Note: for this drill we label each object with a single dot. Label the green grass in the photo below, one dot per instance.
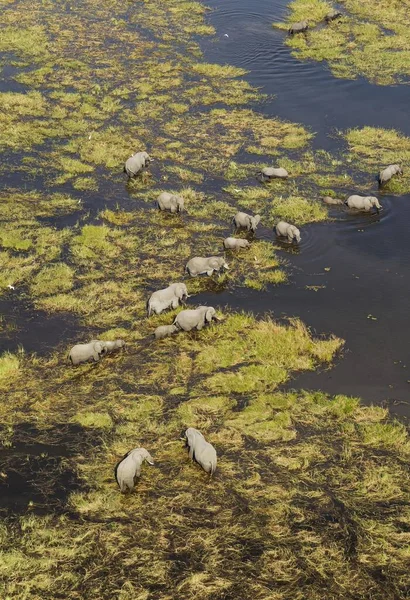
(53, 279)
(9, 368)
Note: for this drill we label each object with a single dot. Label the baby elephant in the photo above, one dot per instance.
(231, 243)
(201, 450)
(198, 265)
(172, 202)
(246, 221)
(137, 163)
(298, 27)
(284, 229)
(164, 331)
(87, 352)
(111, 346)
(269, 173)
(364, 203)
(195, 319)
(129, 469)
(332, 201)
(169, 297)
(389, 172)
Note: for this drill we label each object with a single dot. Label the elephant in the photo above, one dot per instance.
(111, 346)
(172, 202)
(332, 15)
(298, 27)
(129, 469)
(86, 352)
(166, 298)
(164, 331)
(201, 450)
(364, 203)
(195, 319)
(388, 172)
(246, 221)
(137, 163)
(284, 229)
(199, 265)
(332, 201)
(268, 173)
(231, 243)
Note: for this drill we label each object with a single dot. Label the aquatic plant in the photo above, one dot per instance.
(370, 40)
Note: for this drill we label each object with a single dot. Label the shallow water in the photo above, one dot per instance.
(358, 262)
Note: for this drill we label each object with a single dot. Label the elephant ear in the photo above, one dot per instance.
(257, 219)
(209, 314)
(100, 347)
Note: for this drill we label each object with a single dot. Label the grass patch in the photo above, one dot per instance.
(53, 279)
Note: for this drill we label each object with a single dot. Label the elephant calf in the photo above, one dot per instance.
(364, 203)
(198, 265)
(197, 318)
(169, 297)
(284, 229)
(111, 346)
(332, 201)
(243, 220)
(268, 173)
(231, 243)
(201, 450)
(137, 163)
(87, 352)
(129, 469)
(389, 172)
(298, 27)
(172, 202)
(164, 331)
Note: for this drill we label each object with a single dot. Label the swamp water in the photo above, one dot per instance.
(310, 499)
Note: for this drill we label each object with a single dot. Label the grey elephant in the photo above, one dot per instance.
(389, 172)
(364, 203)
(332, 201)
(164, 331)
(243, 220)
(201, 450)
(332, 15)
(137, 163)
(199, 265)
(268, 173)
(196, 318)
(111, 346)
(129, 469)
(299, 27)
(169, 297)
(284, 229)
(172, 202)
(86, 352)
(231, 243)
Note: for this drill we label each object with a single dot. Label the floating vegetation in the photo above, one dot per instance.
(371, 39)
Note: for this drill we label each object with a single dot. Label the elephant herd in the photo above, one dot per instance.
(129, 469)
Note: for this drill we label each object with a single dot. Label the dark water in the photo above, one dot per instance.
(361, 263)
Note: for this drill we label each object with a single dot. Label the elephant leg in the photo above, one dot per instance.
(96, 357)
(175, 303)
(191, 453)
(200, 326)
(209, 273)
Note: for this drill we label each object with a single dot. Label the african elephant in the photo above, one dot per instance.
(87, 352)
(298, 27)
(164, 331)
(111, 346)
(129, 469)
(246, 221)
(137, 163)
(268, 173)
(231, 243)
(364, 203)
(199, 265)
(169, 297)
(201, 450)
(332, 15)
(195, 318)
(332, 201)
(284, 229)
(172, 202)
(389, 172)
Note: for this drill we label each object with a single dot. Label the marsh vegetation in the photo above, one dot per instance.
(310, 499)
